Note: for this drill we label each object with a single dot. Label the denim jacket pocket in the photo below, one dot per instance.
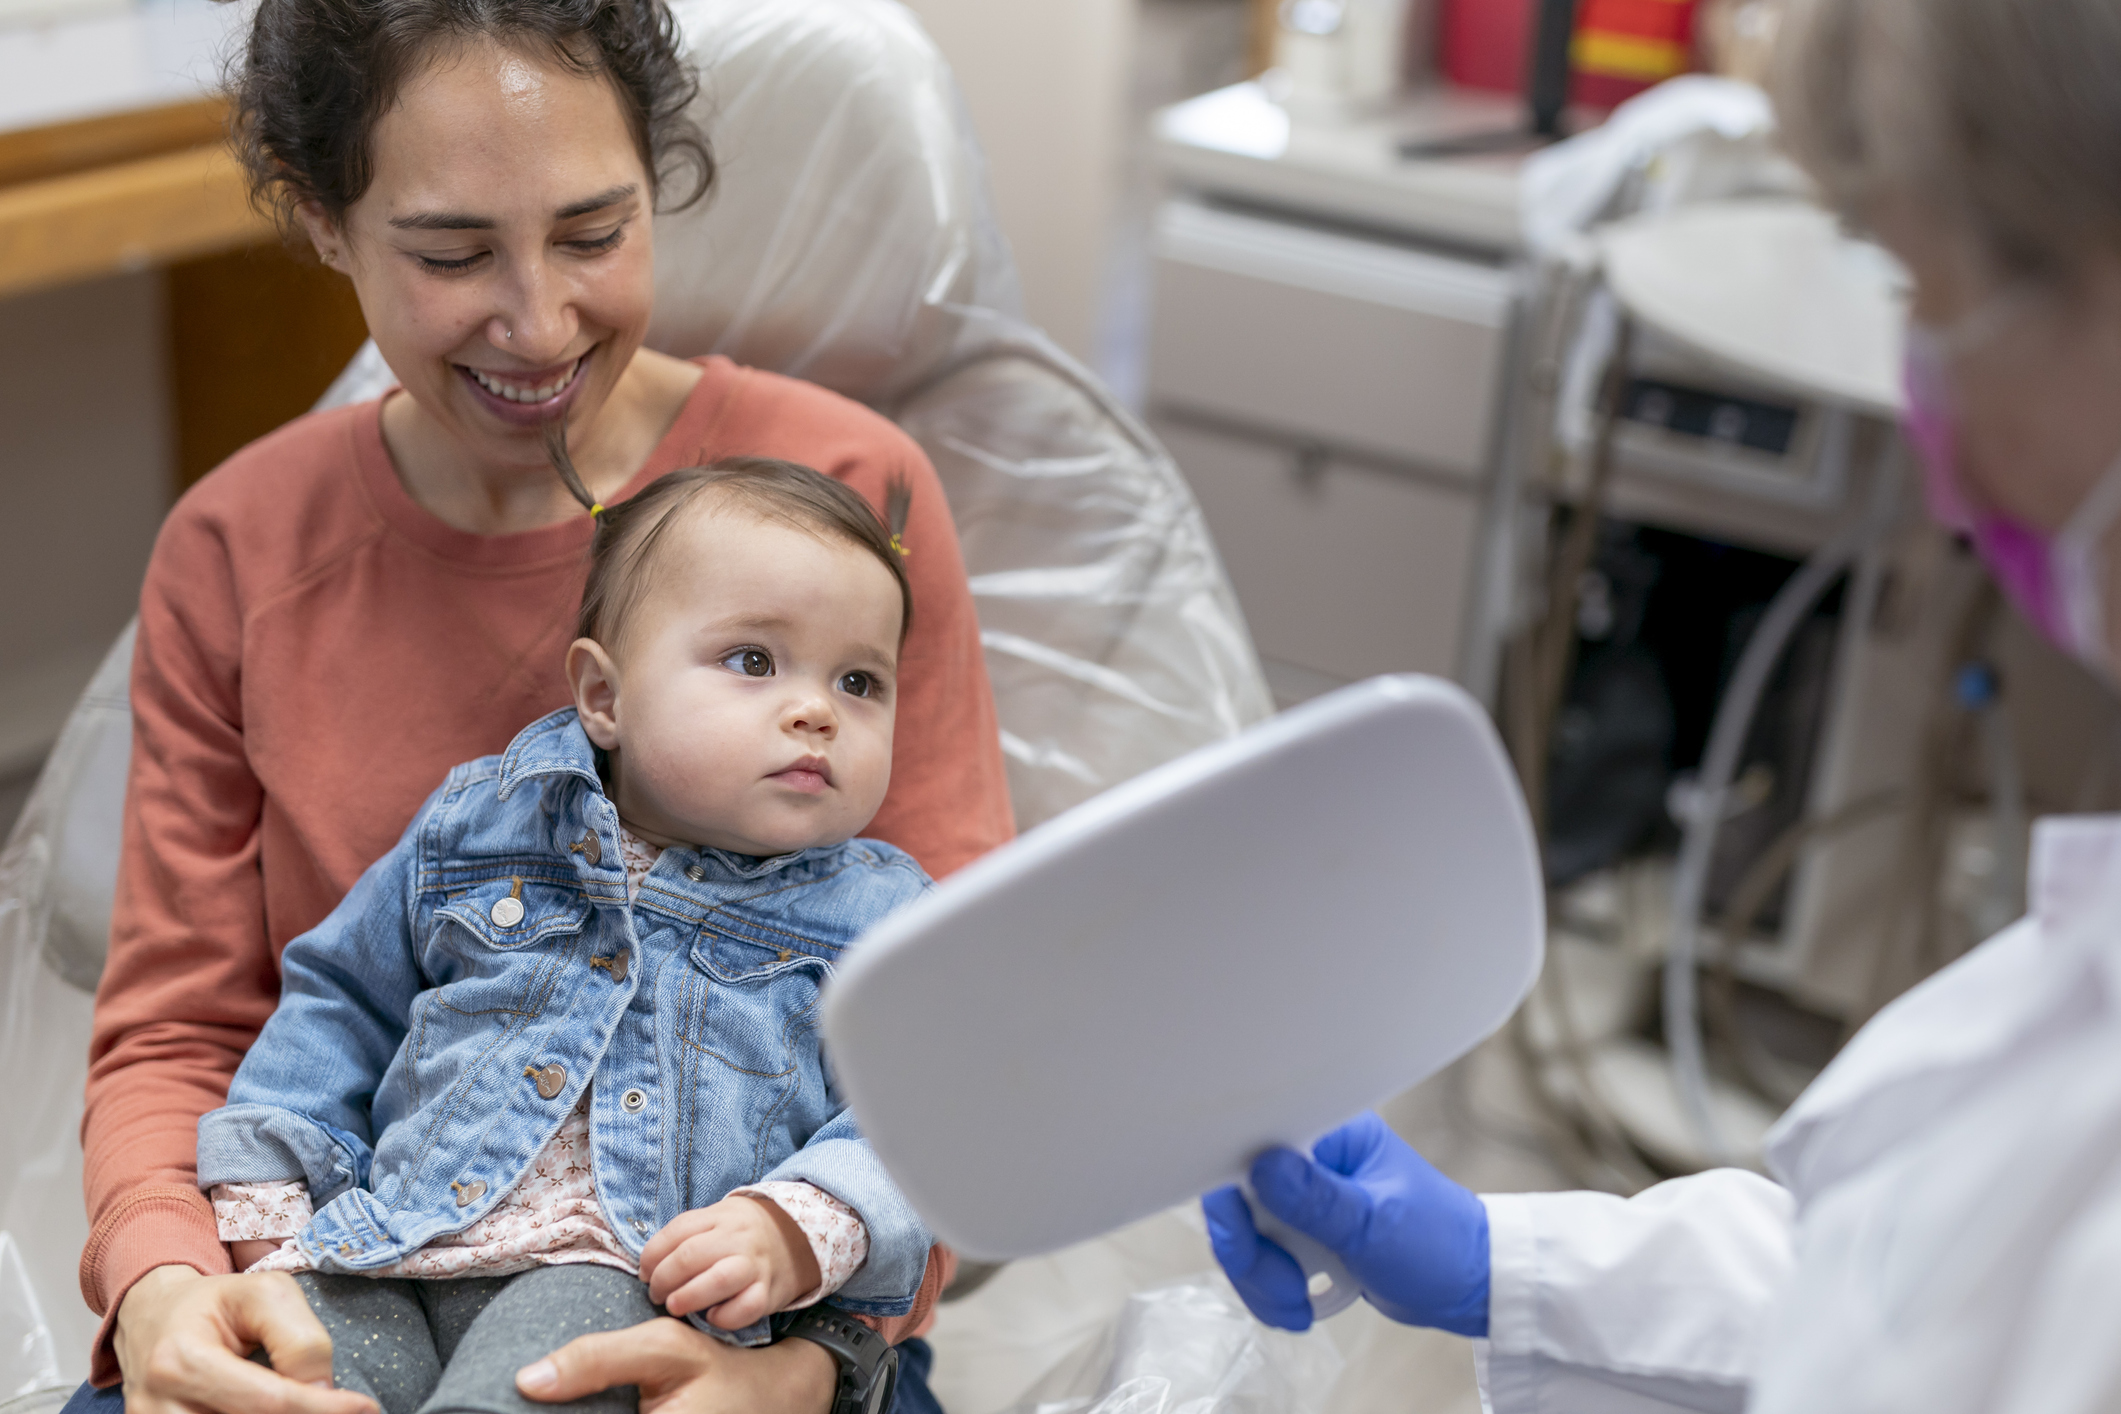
(514, 912)
(754, 1004)
(754, 1084)
(488, 947)
(737, 950)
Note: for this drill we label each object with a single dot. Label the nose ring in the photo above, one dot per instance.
(510, 334)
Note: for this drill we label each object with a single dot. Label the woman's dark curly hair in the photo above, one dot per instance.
(318, 74)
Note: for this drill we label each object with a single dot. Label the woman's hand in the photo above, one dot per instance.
(683, 1371)
(183, 1342)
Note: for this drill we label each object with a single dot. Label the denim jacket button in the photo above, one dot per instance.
(633, 1101)
(551, 1080)
(695, 873)
(589, 847)
(507, 912)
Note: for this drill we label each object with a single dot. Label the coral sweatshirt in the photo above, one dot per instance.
(315, 652)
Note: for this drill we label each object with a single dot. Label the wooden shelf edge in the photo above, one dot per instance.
(61, 149)
(130, 216)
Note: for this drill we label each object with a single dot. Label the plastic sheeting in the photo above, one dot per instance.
(1692, 138)
(56, 875)
(1190, 1348)
(850, 241)
(29, 1359)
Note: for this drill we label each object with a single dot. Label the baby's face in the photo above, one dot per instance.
(752, 692)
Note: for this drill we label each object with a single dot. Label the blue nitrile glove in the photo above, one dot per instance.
(1416, 1241)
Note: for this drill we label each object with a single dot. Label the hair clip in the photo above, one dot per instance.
(899, 546)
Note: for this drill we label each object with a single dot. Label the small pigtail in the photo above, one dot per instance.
(556, 451)
(898, 503)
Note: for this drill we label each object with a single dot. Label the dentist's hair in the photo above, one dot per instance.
(631, 537)
(2000, 119)
(308, 89)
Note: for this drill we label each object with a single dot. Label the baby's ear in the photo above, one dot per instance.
(595, 681)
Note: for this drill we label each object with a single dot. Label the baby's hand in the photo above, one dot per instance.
(740, 1261)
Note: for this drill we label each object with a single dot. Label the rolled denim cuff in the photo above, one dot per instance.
(848, 1169)
(265, 1143)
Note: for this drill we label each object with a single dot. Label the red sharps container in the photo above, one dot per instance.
(1620, 48)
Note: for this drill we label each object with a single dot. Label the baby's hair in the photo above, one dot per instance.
(623, 550)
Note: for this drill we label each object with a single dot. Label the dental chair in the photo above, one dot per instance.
(851, 241)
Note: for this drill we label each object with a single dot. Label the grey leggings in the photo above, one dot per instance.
(454, 1346)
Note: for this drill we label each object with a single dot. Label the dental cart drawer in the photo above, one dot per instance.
(1343, 570)
(1328, 337)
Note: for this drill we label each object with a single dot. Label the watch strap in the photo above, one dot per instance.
(868, 1364)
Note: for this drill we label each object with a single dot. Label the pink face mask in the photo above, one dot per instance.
(2057, 581)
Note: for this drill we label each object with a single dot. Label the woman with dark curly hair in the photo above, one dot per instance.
(358, 601)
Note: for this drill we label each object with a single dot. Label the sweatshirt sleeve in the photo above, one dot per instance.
(190, 976)
(1636, 1305)
(300, 1105)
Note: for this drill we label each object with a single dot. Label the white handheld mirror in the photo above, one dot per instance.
(1242, 948)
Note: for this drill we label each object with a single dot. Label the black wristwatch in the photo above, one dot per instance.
(868, 1363)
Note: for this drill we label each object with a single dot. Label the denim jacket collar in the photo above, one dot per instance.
(556, 745)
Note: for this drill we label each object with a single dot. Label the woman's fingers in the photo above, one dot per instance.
(270, 1310)
(183, 1340)
(659, 1356)
(221, 1382)
(683, 1371)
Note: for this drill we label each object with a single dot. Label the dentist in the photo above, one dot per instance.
(1944, 1228)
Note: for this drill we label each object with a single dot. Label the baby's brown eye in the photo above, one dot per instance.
(751, 662)
(857, 684)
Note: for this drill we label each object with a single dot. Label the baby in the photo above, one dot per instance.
(553, 1062)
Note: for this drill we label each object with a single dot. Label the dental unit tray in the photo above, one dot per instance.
(1244, 947)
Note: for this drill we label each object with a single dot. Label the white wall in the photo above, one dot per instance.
(1047, 81)
(85, 457)
(84, 460)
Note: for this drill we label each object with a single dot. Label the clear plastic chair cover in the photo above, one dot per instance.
(56, 876)
(850, 240)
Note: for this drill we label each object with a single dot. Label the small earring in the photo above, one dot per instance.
(509, 335)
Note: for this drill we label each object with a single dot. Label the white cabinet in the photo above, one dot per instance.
(1326, 336)
(1333, 398)
(1344, 570)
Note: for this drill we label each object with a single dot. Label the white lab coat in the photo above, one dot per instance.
(1946, 1235)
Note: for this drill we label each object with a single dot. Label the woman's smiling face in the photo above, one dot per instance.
(502, 250)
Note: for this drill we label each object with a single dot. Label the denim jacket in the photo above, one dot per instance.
(435, 1030)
